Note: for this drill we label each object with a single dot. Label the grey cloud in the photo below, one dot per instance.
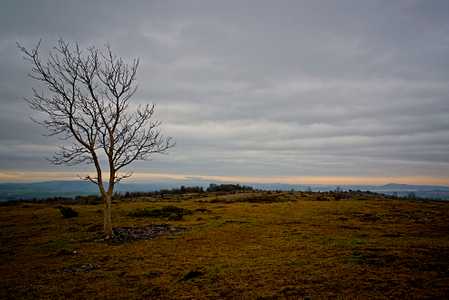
(256, 88)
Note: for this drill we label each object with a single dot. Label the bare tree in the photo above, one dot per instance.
(87, 104)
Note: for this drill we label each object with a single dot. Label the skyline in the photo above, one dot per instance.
(289, 92)
(36, 176)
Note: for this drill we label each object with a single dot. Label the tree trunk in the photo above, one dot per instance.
(107, 216)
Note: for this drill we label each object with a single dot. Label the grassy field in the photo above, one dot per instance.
(253, 245)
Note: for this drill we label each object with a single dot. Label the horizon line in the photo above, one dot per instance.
(10, 176)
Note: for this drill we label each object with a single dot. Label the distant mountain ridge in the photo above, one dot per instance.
(39, 190)
(396, 186)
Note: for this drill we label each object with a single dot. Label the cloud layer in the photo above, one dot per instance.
(257, 88)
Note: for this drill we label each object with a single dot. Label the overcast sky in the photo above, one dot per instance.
(295, 91)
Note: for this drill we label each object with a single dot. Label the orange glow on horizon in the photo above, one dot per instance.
(30, 176)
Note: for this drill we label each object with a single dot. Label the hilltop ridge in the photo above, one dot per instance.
(45, 189)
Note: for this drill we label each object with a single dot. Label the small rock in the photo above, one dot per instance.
(81, 268)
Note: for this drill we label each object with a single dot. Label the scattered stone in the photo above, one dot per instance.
(81, 268)
(125, 234)
(175, 217)
(170, 212)
(236, 222)
(202, 210)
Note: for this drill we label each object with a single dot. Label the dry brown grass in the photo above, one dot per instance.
(291, 246)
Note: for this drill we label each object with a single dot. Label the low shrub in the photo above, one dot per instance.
(191, 275)
(68, 212)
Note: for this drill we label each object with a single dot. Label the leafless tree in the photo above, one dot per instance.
(87, 104)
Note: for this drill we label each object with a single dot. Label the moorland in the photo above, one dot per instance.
(234, 244)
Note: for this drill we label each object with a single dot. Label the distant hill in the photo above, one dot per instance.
(409, 187)
(13, 191)
(418, 191)
(39, 190)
